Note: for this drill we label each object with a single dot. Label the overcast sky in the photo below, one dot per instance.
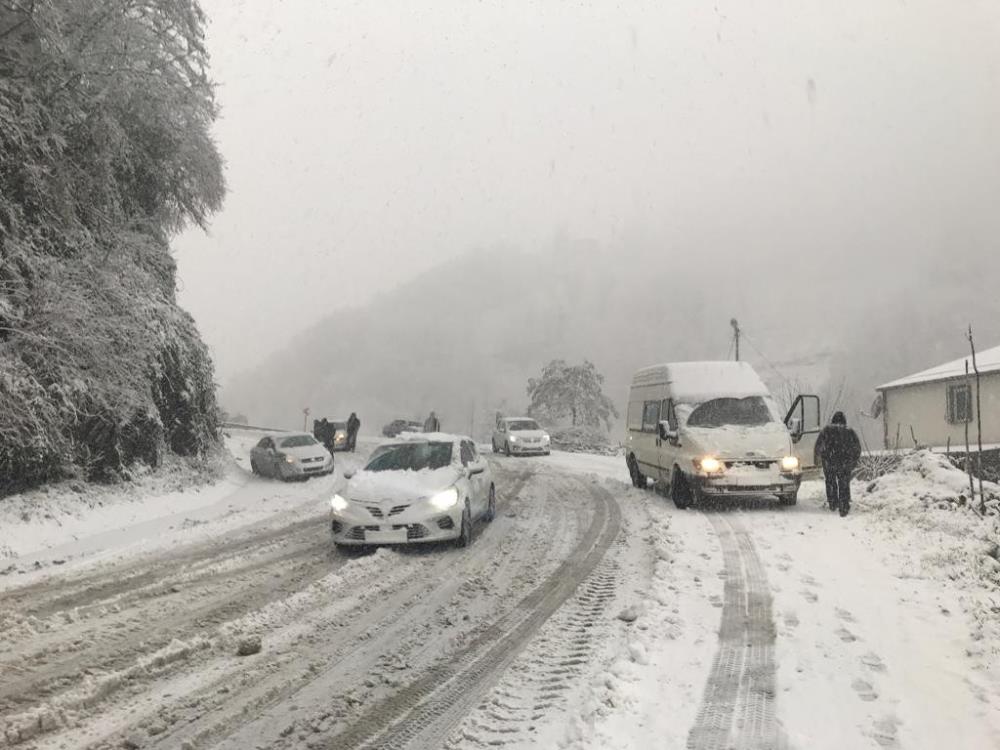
(368, 141)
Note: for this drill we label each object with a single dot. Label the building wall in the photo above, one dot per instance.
(924, 407)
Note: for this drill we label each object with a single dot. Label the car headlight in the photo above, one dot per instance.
(338, 504)
(545, 438)
(710, 465)
(445, 500)
(789, 463)
(513, 438)
(289, 459)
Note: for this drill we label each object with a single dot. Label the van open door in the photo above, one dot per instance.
(803, 422)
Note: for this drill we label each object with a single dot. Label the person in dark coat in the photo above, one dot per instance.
(432, 424)
(353, 425)
(838, 450)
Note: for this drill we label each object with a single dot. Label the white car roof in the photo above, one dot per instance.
(430, 437)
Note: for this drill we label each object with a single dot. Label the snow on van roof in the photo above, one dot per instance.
(700, 381)
(987, 360)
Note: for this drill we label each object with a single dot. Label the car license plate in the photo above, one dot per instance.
(394, 536)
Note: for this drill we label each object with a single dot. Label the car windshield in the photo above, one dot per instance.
(339, 425)
(523, 424)
(297, 441)
(751, 411)
(411, 457)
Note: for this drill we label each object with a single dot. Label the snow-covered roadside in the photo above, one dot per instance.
(72, 523)
(887, 622)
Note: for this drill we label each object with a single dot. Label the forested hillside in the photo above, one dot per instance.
(464, 338)
(105, 153)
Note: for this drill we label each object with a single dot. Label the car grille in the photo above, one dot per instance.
(358, 532)
(413, 530)
(314, 459)
(755, 464)
(394, 510)
(445, 523)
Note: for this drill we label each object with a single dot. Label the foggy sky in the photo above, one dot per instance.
(366, 142)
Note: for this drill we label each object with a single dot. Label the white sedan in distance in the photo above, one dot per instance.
(520, 436)
(419, 488)
(290, 455)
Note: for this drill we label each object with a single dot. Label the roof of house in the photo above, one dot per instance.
(987, 360)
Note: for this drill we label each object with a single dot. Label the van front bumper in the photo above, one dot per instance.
(742, 485)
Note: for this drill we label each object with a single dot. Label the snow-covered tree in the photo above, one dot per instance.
(105, 152)
(573, 391)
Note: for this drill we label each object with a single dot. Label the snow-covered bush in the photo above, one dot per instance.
(582, 440)
(104, 153)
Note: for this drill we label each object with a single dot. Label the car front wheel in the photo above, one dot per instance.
(491, 506)
(465, 532)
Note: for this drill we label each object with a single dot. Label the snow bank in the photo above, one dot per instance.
(63, 512)
(924, 507)
(582, 440)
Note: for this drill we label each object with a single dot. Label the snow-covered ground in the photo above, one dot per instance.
(75, 522)
(589, 614)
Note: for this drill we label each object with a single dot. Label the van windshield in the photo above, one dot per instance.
(751, 411)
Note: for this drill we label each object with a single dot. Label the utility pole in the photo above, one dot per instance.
(736, 333)
(305, 417)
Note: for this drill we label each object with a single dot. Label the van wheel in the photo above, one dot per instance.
(638, 478)
(681, 492)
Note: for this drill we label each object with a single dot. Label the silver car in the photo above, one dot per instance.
(415, 490)
(290, 455)
(520, 436)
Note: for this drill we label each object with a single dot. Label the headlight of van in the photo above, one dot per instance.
(710, 465)
(445, 500)
(790, 463)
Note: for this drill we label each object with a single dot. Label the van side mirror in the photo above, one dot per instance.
(795, 428)
(666, 433)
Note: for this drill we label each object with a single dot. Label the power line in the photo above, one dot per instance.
(768, 362)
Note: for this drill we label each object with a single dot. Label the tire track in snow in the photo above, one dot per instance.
(737, 711)
(426, 710)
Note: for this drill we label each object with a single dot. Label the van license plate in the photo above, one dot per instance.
(395, 536)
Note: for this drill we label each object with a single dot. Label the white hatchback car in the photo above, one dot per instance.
(420, 488)
(520, 436)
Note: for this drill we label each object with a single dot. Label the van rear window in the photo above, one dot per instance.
(751, 411)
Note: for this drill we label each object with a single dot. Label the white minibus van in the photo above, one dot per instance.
(704, 430)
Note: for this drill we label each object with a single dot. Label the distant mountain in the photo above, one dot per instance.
(464, 338)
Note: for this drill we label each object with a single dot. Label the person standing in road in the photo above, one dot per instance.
(353, 425)
(432, 424)
(838, 450)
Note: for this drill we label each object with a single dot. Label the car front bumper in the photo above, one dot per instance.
(300, 470)
(368, 524)
(525, 449)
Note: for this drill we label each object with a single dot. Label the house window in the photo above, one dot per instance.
(959, 403)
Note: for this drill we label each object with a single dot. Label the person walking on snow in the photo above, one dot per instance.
(353, 425)
(433, 424)
(838, 450)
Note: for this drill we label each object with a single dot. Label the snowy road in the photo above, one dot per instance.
(587, 615)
